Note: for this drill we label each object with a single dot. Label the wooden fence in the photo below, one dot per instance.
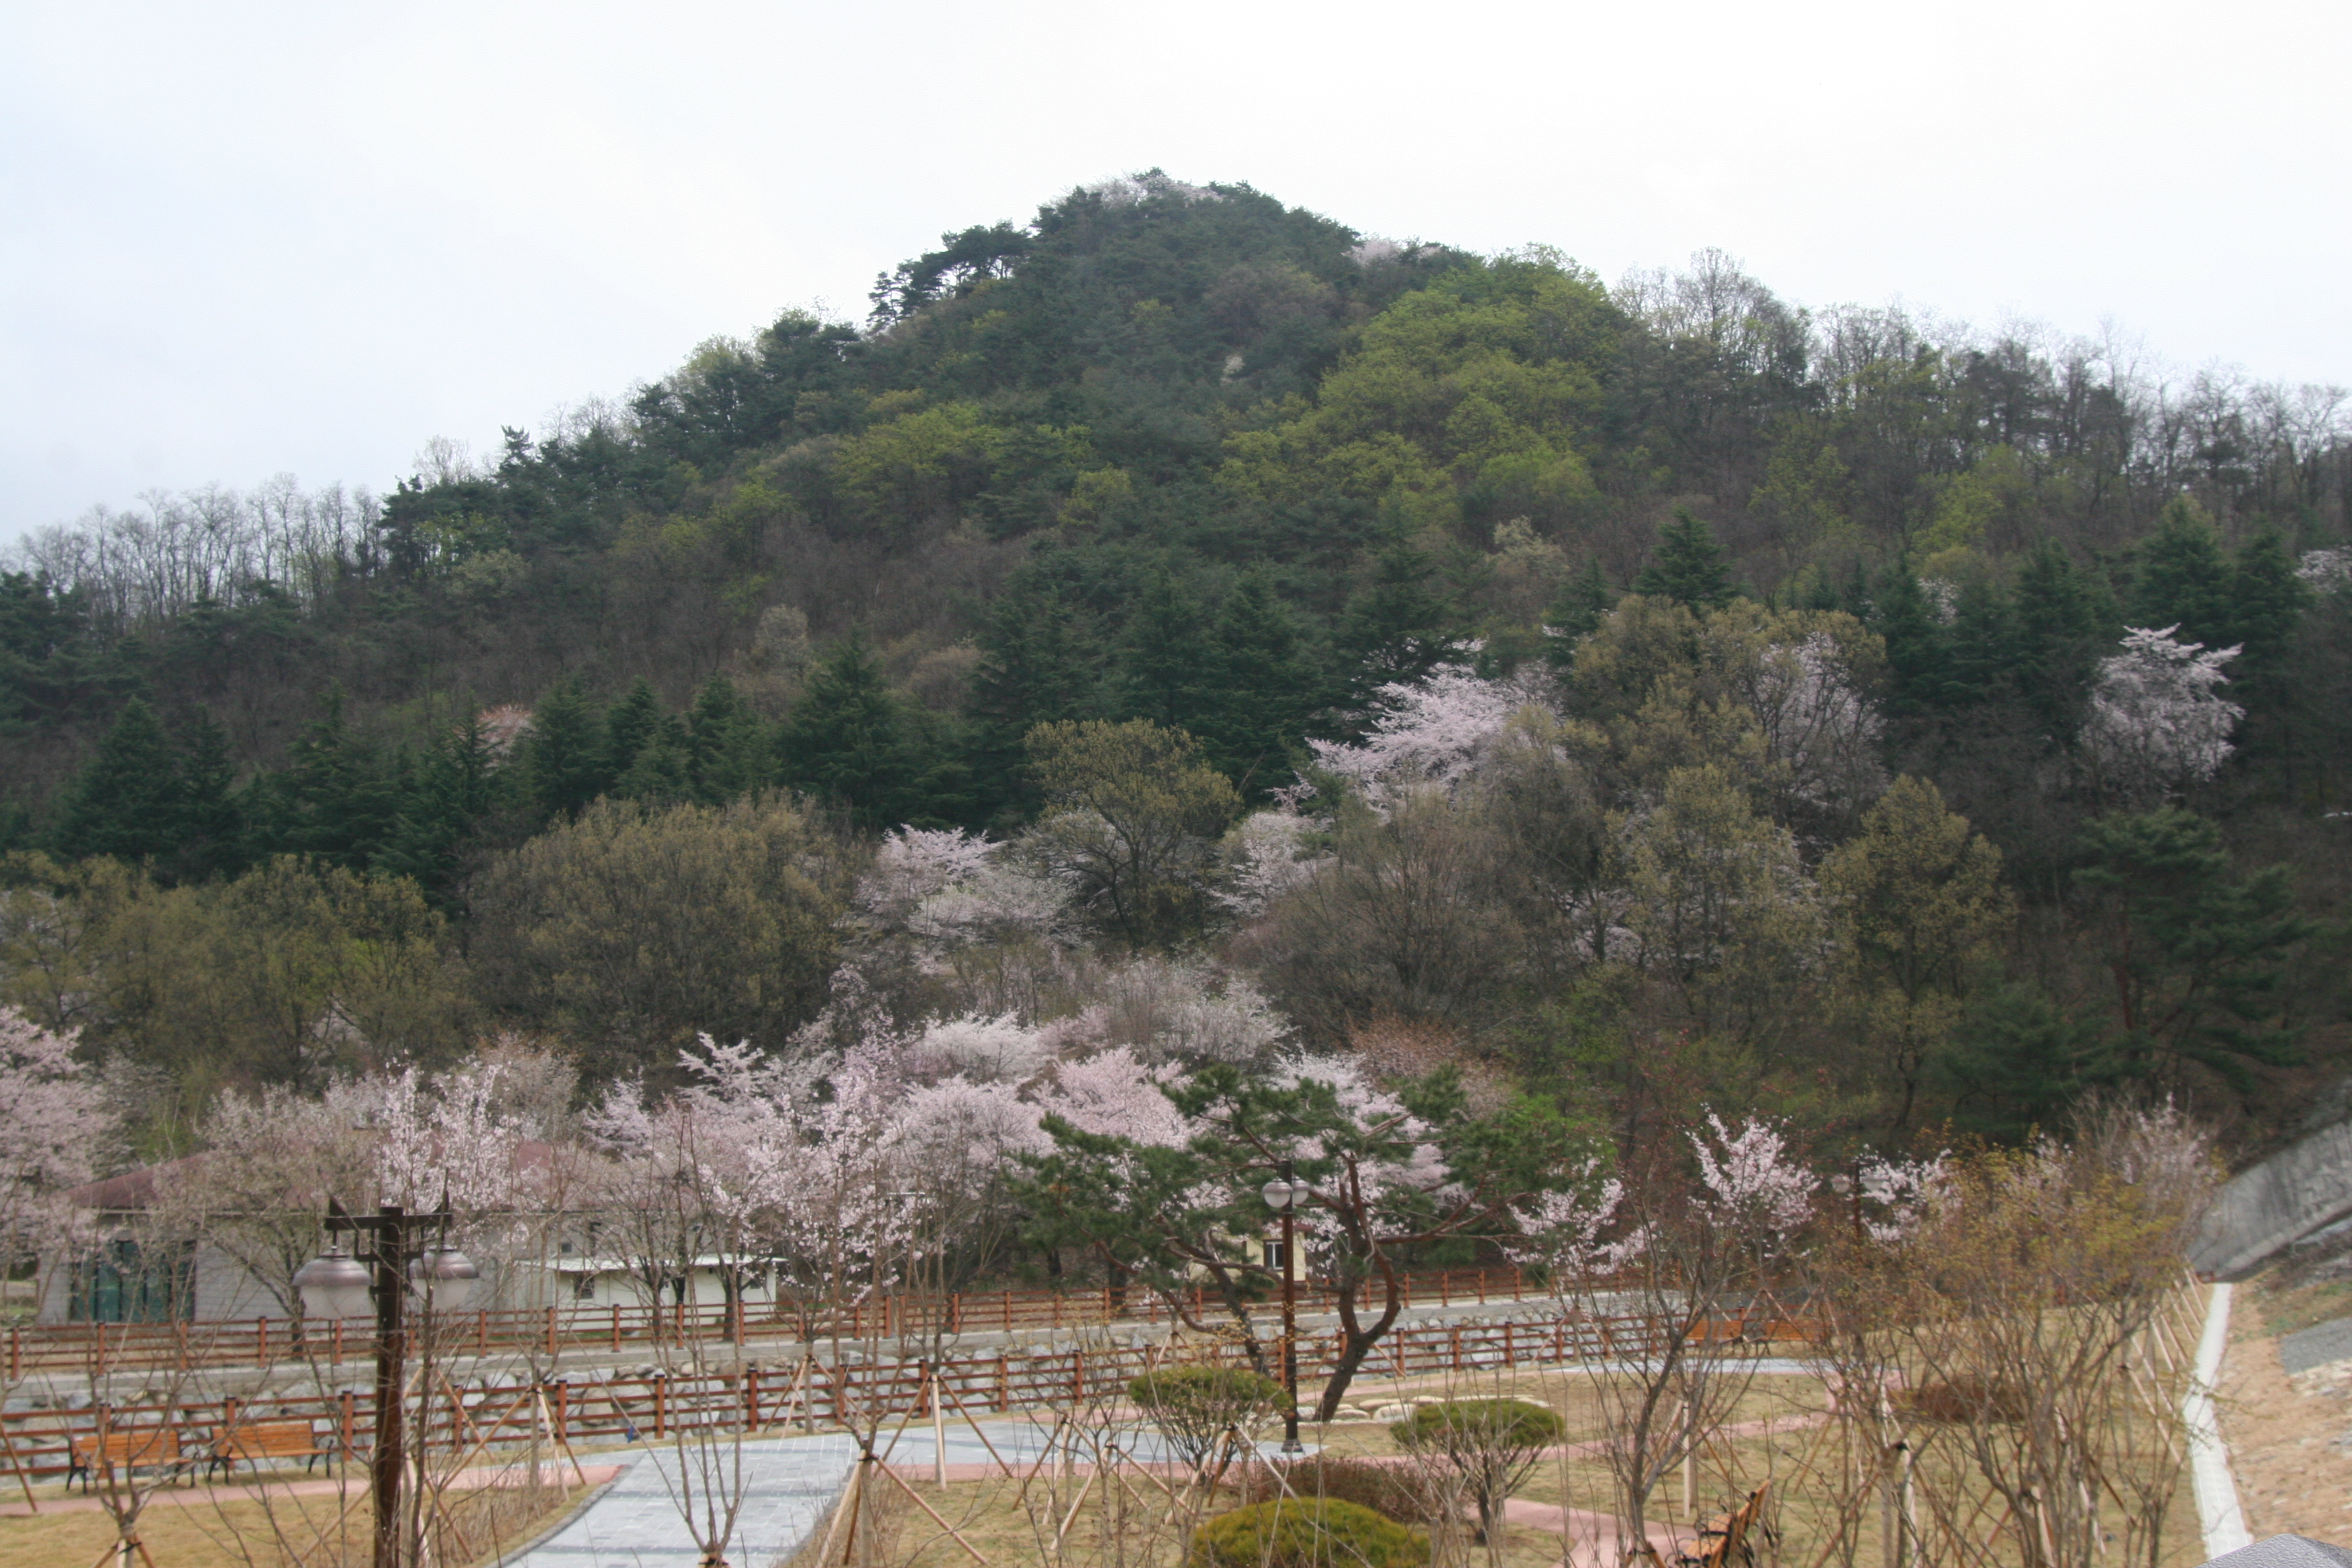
(501, 1414)
(265, 1341)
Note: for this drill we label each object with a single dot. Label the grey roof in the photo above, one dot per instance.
(2284, 1552)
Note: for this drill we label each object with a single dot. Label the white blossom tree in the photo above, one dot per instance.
(54, 1126)
(1681, 1246)
(2156, 723)
(1437, 733)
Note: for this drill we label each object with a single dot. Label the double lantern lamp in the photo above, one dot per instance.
(1283, 1195)
(395, 1262)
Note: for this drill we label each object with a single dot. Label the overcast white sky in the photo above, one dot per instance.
(240, 239)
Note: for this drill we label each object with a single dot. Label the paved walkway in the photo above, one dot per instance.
(787, 1483)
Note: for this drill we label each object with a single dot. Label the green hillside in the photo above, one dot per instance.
(1815, 772)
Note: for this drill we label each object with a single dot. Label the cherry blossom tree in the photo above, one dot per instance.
(1384, 1172)
(2325, 571)
(1434, 732)
(272, 1160)
(54, 1126)
(1268, 855)
(1816, 722)
(988, 1050)
(1685, 1243)
(2157, 724)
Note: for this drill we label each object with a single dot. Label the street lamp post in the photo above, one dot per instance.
(394, 1259)
(1283, 1194)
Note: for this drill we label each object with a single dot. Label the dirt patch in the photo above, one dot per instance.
(2290, 1438)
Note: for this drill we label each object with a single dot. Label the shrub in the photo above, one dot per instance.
(1194, 1406)
(1306, 1532)
(1393, 1491)
(1491, 1443)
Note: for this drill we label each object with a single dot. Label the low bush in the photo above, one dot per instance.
(1393, 1491)
(1490, 1444)
(1306, 1533)
(1194, 1406)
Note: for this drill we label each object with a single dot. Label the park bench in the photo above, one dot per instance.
(1725, 1541)
(138, 1445)
(255, 1441)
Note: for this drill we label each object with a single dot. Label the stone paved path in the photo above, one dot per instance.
(788, 1485)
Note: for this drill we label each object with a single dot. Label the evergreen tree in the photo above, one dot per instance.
(662, 772)
(126, 803)
(629, 725)
(1687, 566)
(2198, 953)
(1918, 654)
(1583, 603)
(457, 789)
(1982, 643)
(2266, 605)
(852, 741)
(336, 799)
(727, 753)
(210, 832)
(2066, 623)
(1164, 662)
(2184, 580)
(1260, 685)
(1397, 628)
(564, 752)
(1037, 667)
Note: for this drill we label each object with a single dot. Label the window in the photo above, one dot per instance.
(122, 1283)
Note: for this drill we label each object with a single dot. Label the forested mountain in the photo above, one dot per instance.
(1634, 694)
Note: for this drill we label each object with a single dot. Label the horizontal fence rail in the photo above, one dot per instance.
(263, 1342)
(501, 1414)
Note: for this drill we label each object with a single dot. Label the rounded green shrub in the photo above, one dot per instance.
(1483, 1423)
(1194, 1406)
(1306, 1533)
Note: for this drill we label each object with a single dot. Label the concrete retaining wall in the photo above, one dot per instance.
(2266, 1206)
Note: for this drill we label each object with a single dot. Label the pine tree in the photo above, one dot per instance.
(456, 790)
(662, 772)
(1583, 603)
(336, 799)
(564, 752)
(1164, 662)
(1037, 667)
(2198, 953)
(210, 832)
(1688, 566)
(1982, 645)
(727, 751)
(1398, 628)
(2266, 605)
(2184, 580)
(629, 725)
(850, 740)
(1918, 655)
(1260, 689)
(127, 801)
(2066, 623)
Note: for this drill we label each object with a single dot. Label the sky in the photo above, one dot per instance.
(239, 240)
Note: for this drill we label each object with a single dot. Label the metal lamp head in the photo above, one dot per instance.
(334, 1285)
(446, 1275)
(1282, 1193)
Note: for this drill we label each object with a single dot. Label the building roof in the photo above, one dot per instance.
(2284, 1552)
